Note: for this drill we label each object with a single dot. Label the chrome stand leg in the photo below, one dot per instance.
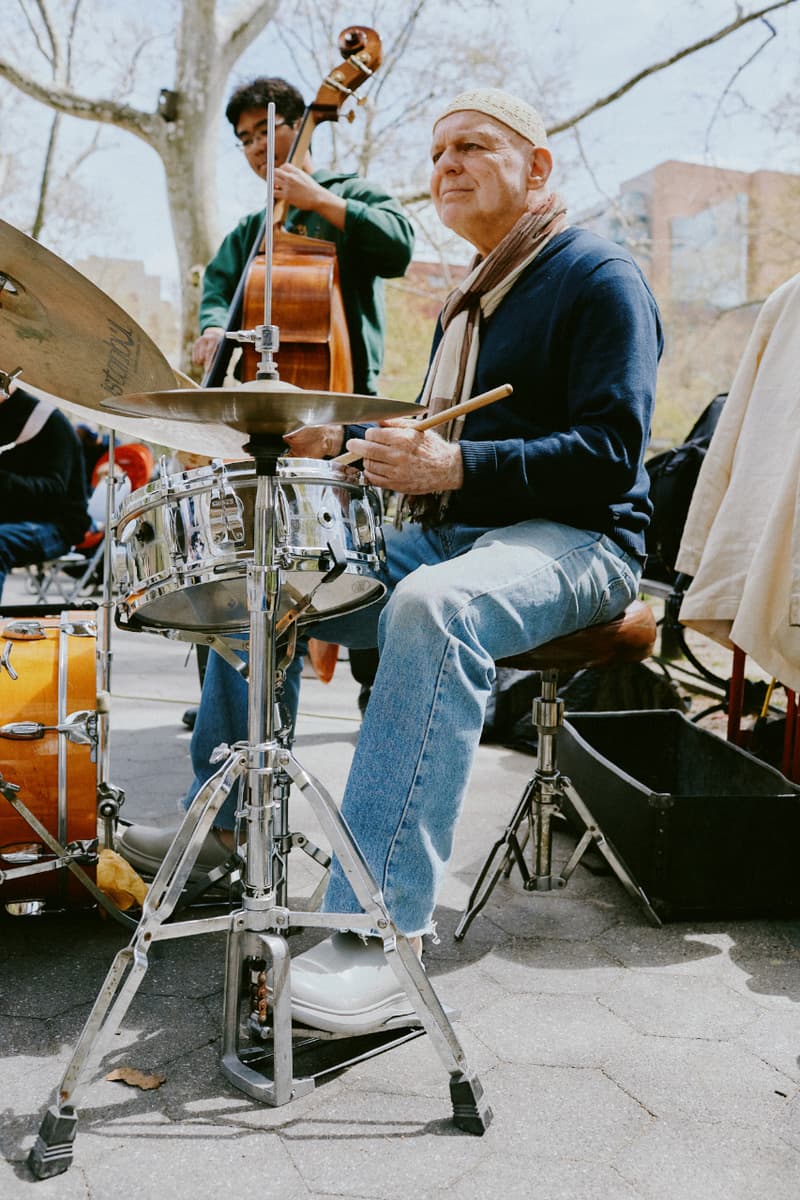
(52, 1151)
(257, 931)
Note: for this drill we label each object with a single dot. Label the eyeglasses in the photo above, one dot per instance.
(259, 134)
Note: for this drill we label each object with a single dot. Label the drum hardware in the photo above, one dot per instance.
(258, 929)
(69, 856)
(5, 661)
(109, 801)
(26, 908)
(80, 728)
(24, 631)
(81, 628)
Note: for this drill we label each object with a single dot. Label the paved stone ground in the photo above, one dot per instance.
(622, 1061)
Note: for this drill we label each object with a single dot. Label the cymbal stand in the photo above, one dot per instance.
(109, 798)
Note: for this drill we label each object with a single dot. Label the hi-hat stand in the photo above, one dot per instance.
(257, 933)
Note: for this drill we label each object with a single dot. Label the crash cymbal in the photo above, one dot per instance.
(205, 438)
(263, 406)
(69, 337)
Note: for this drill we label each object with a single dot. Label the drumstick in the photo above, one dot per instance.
(446, 414)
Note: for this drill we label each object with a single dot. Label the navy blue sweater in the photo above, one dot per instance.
(579, 338)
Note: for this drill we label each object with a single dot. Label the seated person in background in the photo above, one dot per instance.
(526, 519)
(42, 482)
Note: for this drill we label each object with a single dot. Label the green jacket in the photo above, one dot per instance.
(376, 244)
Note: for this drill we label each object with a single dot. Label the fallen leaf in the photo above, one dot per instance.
(135, 1078)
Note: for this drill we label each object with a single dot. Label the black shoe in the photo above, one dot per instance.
(189, 717)
(144, 847)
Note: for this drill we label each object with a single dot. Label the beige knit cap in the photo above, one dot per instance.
(504, 107)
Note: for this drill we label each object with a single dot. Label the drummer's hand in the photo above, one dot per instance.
(205, 347)
(404, 459)
(315, 441)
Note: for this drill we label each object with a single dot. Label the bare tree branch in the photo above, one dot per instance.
(35, 32)
(741, 20)
(73, 21)
(38, 220)
(244, 23)
(92, 148)
(147, 126)
(773, 33)
(62, 70)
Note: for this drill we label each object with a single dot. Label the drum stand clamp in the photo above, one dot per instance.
(257, 932)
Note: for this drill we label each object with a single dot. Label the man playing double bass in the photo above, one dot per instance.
(373, 240)
(373, 237)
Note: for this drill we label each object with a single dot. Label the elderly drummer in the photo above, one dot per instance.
(524, 522)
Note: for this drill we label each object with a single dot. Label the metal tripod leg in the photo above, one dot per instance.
(470, 1110)
(52, 1151)
(593, 834)
(542, 799)
(506, 851)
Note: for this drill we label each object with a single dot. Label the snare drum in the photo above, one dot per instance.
(47, 676)
(183, 542)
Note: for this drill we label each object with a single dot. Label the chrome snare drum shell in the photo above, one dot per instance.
(183, 543)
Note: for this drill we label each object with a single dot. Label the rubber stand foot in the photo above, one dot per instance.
(52, 1150)
(471, 1113)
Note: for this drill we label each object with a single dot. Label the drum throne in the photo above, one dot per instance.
(627, 639)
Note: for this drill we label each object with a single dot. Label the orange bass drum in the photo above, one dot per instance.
(47, 679)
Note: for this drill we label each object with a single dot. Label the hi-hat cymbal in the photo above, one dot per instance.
(69, 337)
(263, 406)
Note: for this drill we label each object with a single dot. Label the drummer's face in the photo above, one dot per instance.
(251, 130)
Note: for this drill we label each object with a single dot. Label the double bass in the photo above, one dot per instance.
(307, 302)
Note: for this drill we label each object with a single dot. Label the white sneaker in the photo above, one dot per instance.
(345, 985)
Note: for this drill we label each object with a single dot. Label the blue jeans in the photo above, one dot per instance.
(26, 542)
(458, 598)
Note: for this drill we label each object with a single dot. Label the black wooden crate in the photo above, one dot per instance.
(705, 829)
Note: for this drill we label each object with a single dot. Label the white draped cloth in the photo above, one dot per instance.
(741, 542)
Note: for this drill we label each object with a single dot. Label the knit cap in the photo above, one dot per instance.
(504, 107)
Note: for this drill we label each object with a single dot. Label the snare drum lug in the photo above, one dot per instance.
(5, 661)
